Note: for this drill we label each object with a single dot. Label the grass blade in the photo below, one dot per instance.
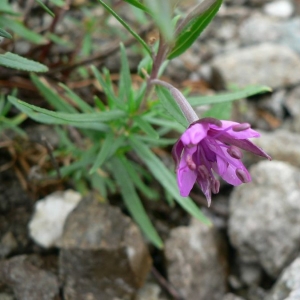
(230, 96)
(133, 202)
(133, 33)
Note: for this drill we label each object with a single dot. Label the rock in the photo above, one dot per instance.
(280, 145)
(280, 8)
(251, 274)
(287, 287)
(259, 28)
(252, 65)
(103, 254)
(27, 281)
(264, 222)
(273, 103)
(292, 102)
(15, 211)
(231, 296)
(46, 225)
(195, 262)
(8, 244)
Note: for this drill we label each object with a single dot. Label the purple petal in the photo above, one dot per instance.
(227, 128)
(244, 144)
(194, 134)
(185, 177)
(176, 152)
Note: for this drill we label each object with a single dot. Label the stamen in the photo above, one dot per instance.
(215, 186)
(203, 171)
(241, 127)
(235, 152)
(190, 162)
(241, 174)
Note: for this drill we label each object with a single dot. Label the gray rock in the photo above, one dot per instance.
(292, 102)
(251, 274)
(280, 145)
(27, 280)
(103, 255)
(288, 285)
(15, 211)
(264, 223)
(253, 65)
(274, 103)
(195, 262)
(259, 28)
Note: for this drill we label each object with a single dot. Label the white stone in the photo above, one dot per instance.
(269, 64)
(46, 225)
(281, 9)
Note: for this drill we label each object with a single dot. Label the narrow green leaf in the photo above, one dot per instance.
(147, 191)
(133, 33)
(133, 202)
(18, 28)
(84, 107)
(108, 92)
(98, 183)
(4, 105)
(59, 3)
(103, 153)
(14, 61)
(167, 123)
(138, 5)
(81, 163)
(73, 117)
(5, 8)
(193, 29)
(170, 105)
(47, 10)
(5, 34)
(161, 12)
(99, 103)
(125, 77)
(165, 178)
(52, 97)
(146, 127)
(161, 142)
(230, 96)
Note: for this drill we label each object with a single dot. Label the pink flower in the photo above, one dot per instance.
(211, 146)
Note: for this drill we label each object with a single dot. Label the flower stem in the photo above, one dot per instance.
(184, 105)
